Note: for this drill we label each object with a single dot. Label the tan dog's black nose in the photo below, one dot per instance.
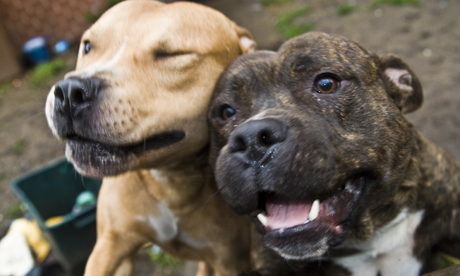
(73, 95)
(254, 140)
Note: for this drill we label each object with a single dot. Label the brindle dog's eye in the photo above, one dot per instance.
(326, 85)
(226, 112)
(86, 47)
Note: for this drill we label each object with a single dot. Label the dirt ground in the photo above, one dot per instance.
(426, 36)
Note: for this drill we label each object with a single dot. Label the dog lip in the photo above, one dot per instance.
(154, 142)
(96, 159)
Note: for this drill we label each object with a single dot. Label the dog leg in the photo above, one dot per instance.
(204, 269)
(113, 255)
(125, 267)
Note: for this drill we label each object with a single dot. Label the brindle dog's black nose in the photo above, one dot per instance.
(253, 140)
(73, 95)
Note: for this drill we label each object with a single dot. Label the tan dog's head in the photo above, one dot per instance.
(143, 81)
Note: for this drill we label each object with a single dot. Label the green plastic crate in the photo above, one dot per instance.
(51, 191)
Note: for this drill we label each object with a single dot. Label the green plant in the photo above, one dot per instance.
(19, 147)
(2, 176)
(5, 86)
(295, 30)
(396, 2)
(345, 9)
(45, 71)
(161, 259)
(276, 2)
(16, 210)
(287, 18)
(448, 260)
(286, 23)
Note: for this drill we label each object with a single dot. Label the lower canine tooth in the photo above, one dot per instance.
(262, 219)
(348, 185)
(314, 211)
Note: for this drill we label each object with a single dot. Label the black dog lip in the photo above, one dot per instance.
(155, 142)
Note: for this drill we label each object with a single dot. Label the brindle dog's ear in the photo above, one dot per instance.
(247, 43)
(403, 86)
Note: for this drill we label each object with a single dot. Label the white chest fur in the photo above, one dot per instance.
(388, 252)
(167, 228)
(166, 225)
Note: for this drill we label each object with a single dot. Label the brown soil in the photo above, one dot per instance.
(427, 37)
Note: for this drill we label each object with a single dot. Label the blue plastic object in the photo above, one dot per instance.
(36, 51)
(61, 46)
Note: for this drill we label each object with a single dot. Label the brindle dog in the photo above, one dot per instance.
(311, 143)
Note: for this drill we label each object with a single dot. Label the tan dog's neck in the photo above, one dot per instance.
(179, 187)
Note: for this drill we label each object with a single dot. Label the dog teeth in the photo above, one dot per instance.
(262, 219)
(348, 186)
(314, 211)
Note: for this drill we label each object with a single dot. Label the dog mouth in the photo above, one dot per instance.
(96, 159)
(287, 222)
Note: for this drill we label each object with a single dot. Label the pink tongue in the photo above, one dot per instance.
(283, 213)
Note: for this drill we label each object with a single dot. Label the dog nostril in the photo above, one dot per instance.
(59, 94)
(265, 139)
(77, 96)
(60, 99)
(238, 144)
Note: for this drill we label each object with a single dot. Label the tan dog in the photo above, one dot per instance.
(136, 107)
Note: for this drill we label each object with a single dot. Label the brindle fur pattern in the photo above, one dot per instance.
(359, 130)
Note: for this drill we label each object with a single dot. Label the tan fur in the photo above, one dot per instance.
(126, 198)
(151, 96)
(148, 95)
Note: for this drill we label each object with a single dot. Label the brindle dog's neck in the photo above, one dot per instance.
(437, 194)
(430, 187)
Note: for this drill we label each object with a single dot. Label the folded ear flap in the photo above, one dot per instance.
(247, 43)
(403, 85)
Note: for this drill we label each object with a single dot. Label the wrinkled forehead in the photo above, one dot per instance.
(148, 21)
(247, 69)
(319, 49)
(259, 61)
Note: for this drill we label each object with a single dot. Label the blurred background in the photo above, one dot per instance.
(39, 43)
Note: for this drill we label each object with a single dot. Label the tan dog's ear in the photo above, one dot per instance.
(247, 43)
(404, 86)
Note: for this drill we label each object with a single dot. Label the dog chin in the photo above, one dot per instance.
(301, 252)
(292, 244)
(97, 160)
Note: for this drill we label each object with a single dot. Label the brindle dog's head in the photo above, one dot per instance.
(311, 141)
